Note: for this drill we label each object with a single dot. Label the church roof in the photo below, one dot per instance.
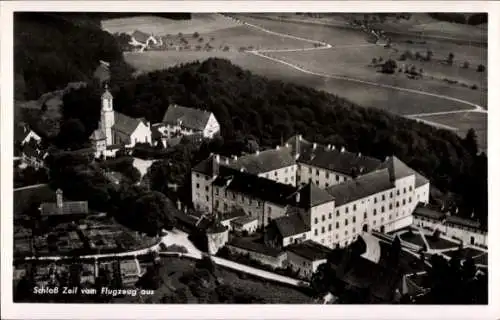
(190, 118)
(125, 124)
(97, 135)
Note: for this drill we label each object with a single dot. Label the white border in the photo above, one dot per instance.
(60, 311)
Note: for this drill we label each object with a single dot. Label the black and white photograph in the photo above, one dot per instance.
(248, 157)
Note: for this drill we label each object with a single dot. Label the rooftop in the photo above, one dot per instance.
(68, 208)
(140, 36)
(244, 220)
(426, 212)
(463, 222)
(254, 247)
(361, 187)
(191, 118)
(290, 225)
(125, 124)
(397, 168)
(264, 161)
(331, 158)
(310, 250)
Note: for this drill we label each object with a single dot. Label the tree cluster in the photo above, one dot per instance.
(52, 49)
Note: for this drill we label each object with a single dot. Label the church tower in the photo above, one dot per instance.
(107, 115)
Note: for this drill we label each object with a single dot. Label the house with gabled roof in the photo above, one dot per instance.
(117, 130)
(184, 121)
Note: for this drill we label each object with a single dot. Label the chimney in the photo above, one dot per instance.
(297, 197)
(59, 198)
(315, 145)
(342, 150)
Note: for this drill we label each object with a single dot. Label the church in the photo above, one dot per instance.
(117, 130)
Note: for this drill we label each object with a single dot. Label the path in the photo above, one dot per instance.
(323, 46)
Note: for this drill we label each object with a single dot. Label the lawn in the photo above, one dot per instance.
(174, 269)
(413, 237)
(440, 243)
(199, 22)
(463, 121)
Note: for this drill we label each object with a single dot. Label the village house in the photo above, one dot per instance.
(143, 41)
(305, 257)
(334, 195)
(256, 251)
(64, 208)
(183, 121)
(117, 130)
(466, 230)
(24, 134)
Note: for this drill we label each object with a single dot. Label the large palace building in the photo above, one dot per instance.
(306, 191)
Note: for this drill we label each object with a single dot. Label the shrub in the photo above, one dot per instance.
(465, 65)
(481, 68)
(474, 87)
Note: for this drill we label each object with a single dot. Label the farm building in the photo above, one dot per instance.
(245, 224)
(256, 251)
(179, 120)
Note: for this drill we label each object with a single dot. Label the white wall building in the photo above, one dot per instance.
(185, 121)
(337, 194)
(306, 257)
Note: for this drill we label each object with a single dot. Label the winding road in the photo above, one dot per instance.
(320, 45)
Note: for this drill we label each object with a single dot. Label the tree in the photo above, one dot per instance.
(196, 35)
(389, 66)
(481, 68)
(465, 65)
(322, 280)
(72, 134)
(429, 55)
(156, 211)
(374, 61)
(470, 141)
(451, 56)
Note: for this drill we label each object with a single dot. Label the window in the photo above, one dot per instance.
(404, 202)
(397, 192)
(353, 230)
(346, 222)
(323, 218)
(327, 185)
(315, 232)
(374, 199)
(336, 225)
(330, 227)
(310, 180)
(374, 212)
(354, 208)
(327, 175)
(390, 217)
(197, 175)
(346, 209)
(382, 220)
(346, 232)
(365, 215)
(286, 170)
(310, 170)
(206, 188)
(317, 172)
(268, 210)
(390, 195)
(216, 191)
(206, 197)
(317, 182)
(404, 190)
(397, 204)
(410, 188)
(337, 178)
(197, 185)
(336, 236)
(329, 215)
(322, 229)
(354, 219)
(275, 173)
(383, 209)
(315, 220)
(383, 197)
(286, 180)
(409, 199)
(234, 196)
(337, 214)
(390, 206)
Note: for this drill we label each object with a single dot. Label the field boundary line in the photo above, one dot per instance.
(428, 114)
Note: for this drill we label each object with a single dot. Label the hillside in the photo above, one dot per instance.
(249, 105)
(53, 49)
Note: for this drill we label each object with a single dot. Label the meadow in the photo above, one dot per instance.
(199, 22)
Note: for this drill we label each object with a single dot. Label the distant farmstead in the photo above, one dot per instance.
(143, 41)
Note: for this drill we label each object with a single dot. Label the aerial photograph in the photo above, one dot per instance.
(250, 158)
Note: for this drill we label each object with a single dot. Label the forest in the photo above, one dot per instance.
(53, 49)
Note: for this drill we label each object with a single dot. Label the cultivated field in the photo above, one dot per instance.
(199, 22)
(463, 121)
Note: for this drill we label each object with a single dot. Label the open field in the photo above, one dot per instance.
(463, 121)
(333, 36)
(355, 62)
(199, 22)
